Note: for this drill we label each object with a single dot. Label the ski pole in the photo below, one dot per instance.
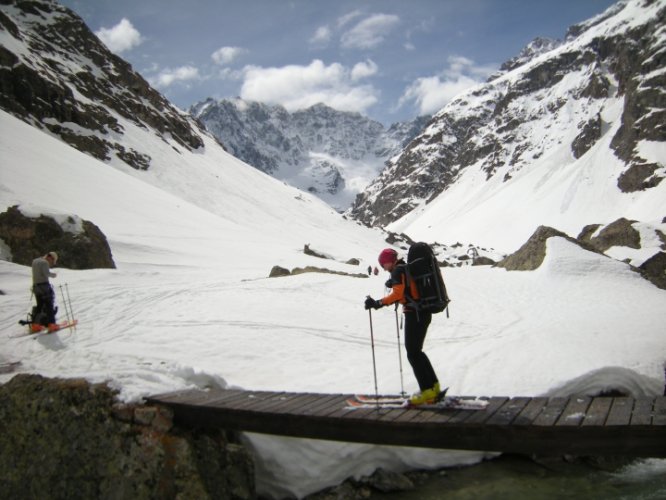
(374, 364)
(69, 300)
(397, 331)
(64, 303)
(69, 312)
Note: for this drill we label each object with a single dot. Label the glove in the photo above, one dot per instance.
(371, 303)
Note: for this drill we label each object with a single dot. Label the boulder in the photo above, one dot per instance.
(79, 243)
(620, 233)
(654, 269)
(67, 438)
(530, 256)
(278, 272)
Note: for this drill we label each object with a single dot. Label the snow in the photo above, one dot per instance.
(190, 304)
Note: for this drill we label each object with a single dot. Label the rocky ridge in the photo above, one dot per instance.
(55, 74)
(605, 78)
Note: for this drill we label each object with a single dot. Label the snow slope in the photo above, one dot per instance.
(190, 304)
(561, 193)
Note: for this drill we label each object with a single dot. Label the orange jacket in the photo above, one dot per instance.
(399, 279)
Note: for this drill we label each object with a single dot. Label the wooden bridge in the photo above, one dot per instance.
(545, 426)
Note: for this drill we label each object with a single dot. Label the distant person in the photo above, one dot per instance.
(369, 270)
(416, 326)
(43, 314)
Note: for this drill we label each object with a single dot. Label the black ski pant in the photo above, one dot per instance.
(416, 328)
(44, 312)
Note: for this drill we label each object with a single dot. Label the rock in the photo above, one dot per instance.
(71, 439)
(80, 244)
(308, 251)
(387, 481)
(312, 269)
(654, 269)
(530, 256)
(619, 233)
(483, 261)
(278, 272)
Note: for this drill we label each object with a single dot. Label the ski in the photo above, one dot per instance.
(393, 399)
(447, 403)
(63, 325)
(362, 398)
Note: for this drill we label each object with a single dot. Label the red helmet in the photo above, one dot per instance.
(387, 256)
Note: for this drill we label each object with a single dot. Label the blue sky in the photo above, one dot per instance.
(388, 59)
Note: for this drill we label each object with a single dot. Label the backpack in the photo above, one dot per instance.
(422, 268)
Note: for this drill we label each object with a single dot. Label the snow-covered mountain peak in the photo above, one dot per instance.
(332, 154)
(572, 136)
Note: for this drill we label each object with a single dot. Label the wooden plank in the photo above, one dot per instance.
(239, 398)
(531, 411)
(508, 411)
(323, 406)
(480, 417)
(263, 401)
(575, 411)
(620, 412)
(597, 413)
(297, 405)
(642, 414)
(552, 411)
(190, 396)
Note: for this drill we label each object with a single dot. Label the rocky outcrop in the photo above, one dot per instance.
(71, 439)
(531, 255)
(600, 239)
(619, 233)
(280, 272)
(79, 243)
(65, 80)
(654, 270)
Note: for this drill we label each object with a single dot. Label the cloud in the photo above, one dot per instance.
(169, 76)
(347, 18)
(363, 70)
(370, 32)
(226, 55)
(299, 87)
(430, 94)
(321, 37)
(122, 37)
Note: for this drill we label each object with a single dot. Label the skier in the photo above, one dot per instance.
(43, 315)
(416, 326)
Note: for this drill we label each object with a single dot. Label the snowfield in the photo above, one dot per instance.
(190, 304)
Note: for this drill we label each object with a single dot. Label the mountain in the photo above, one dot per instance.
(58, 77)
(332, 154)
(575, 130)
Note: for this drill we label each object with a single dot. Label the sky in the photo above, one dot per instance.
(390, 60)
